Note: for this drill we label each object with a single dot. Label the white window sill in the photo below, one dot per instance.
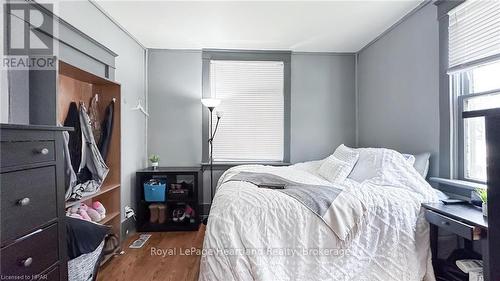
(458, 183)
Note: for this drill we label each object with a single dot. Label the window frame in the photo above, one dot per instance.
(460, 86)
(450, 166)
(246, 55)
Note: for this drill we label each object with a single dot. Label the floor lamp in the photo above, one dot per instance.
(211, 103)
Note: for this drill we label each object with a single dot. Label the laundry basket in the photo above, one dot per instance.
(84, 267)
(86, 246)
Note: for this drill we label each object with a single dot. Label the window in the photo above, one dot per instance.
(474, 68)
(474, 89)
(255, 105)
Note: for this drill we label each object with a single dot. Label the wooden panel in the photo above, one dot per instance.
(110, 200)
(23, 153)
(76, 85)
(115, 225)
(42, 258)
(71, 90)
(79, 74)
(111, 93)
(74, 90)
(104, 189)
(39, 186)
(107, 94)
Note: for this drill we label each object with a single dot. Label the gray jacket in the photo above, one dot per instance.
(91, 159)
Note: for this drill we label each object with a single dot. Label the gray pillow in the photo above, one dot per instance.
(422, 163)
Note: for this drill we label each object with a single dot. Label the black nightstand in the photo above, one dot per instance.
(176, 179)
(464, 220)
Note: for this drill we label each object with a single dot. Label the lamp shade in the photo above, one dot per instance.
(210, 103)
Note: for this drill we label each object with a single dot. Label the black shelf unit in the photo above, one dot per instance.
(191, 176)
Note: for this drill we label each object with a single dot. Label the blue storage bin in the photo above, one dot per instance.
(155, 192)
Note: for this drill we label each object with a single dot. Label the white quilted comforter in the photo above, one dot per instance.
(261, 234)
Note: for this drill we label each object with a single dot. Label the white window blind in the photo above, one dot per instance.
(474, 34)
(252, 94)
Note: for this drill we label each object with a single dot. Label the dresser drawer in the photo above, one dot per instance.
(27, 201)
(457, 227)
(31, 254)
(26, 152)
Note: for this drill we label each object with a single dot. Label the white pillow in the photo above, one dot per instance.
(409, 158)
(368, 165)
(422, 163)
(310, 166)
(339, 165)
(370, 162)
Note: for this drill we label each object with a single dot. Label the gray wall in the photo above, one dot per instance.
(322, 106)
(130, 72)
(399, 89)
(174, 92)
(323, 103)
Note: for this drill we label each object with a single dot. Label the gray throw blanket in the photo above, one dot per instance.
(339, 212)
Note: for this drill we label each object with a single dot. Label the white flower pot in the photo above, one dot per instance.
(154, 165)
(485, 209)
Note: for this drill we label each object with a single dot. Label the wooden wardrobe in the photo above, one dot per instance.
(76, 85)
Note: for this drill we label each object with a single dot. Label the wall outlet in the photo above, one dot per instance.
(128, 227)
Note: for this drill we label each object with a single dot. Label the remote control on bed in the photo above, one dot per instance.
(272, 185)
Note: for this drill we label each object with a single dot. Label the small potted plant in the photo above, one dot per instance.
(483, 194)
(155, 160)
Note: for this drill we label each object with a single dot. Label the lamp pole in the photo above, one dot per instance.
(210, 140)
(211, 103)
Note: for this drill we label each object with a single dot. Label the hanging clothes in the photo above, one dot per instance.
(94, 118)
(107, 130)
(75, 137)
(69, 174)
(93, 170)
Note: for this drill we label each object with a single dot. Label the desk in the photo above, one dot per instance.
(464, 220)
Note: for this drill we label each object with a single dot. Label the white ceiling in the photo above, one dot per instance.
(329, 26)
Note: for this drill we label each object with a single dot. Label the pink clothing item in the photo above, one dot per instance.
(84, 215)
(96, 205)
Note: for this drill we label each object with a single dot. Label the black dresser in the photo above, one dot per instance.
(33, 234)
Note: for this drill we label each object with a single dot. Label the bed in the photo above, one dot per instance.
(262, 234)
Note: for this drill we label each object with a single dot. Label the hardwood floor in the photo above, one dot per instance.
(160, 259)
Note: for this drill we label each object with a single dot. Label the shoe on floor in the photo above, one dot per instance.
(162, 216)
(153, 213)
